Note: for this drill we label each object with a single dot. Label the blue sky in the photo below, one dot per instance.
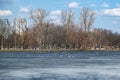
(107, 11)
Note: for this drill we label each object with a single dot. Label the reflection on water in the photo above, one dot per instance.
(84, 65)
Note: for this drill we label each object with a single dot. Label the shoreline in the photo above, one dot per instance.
(50, 50)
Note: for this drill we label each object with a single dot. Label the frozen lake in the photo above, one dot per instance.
(74, 65)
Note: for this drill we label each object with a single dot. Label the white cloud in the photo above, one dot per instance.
(57, 12)
(105, 5)
(5, 12)
(55, 19)
(73, 5)
(112, 12)
(92, 5)
(24, 9)
(117, 5)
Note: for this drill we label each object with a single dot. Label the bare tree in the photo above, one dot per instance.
(38, 17)
(86, 22)
(67, 22)
(20, 25)
(64, 18)
(87, 19)
(4, 30)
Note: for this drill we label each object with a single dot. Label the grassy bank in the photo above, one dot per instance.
(54, 50)
(40, 50)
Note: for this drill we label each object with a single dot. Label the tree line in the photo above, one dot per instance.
(43, 34)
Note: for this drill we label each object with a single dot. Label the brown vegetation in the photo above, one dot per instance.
(68, 35)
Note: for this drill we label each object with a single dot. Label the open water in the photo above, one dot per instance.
(64, 65)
